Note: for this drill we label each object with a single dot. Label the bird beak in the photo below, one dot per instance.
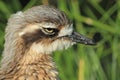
(76, 37)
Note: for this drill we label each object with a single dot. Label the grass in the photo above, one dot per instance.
(81, 62)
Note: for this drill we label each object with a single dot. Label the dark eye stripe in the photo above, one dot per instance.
(38, 35)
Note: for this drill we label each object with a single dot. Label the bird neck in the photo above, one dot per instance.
(30, 65)
(40, 65)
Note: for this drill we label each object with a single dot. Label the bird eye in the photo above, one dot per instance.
(49, 30)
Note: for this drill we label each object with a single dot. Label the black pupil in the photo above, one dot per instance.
(49, 29)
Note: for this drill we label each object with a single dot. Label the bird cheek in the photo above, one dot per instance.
(64, 43)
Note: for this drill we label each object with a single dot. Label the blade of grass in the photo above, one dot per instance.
(96, 66)
(100, 10)
(89, 12)
(108, 13)
(30, 4)
(17, 5)
(97, 24)
(4, 9)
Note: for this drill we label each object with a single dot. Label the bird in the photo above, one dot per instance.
(31, 37)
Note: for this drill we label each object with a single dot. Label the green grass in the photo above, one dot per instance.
(81, 62)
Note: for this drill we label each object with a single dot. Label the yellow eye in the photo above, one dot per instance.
(49, 30)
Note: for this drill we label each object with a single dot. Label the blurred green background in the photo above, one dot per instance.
(99, 19)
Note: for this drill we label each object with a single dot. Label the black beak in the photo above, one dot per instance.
(76, 37)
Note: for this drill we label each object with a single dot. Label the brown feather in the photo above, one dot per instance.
(19, 60)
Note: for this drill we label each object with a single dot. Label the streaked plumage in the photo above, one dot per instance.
(31, 37)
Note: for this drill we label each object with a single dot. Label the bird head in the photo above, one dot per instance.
(48, 29)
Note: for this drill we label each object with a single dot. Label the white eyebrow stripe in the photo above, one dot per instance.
(29, 28)
(48, 25)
